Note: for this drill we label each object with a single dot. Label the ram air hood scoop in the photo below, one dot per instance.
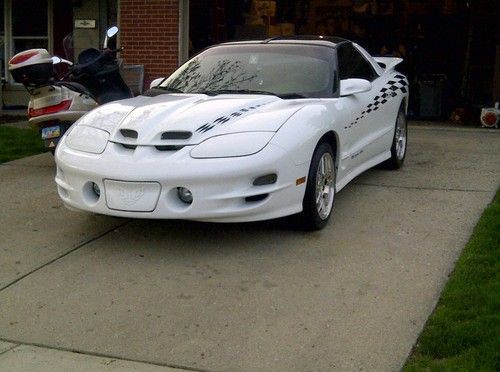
(189, 119)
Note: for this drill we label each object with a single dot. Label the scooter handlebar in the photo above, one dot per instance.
(105, 56)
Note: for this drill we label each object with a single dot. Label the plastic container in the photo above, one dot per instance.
(32, 67)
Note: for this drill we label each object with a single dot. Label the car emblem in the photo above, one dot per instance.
(130, 197)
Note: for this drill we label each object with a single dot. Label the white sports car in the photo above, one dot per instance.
(244, 131)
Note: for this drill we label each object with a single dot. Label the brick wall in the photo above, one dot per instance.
(149, 34)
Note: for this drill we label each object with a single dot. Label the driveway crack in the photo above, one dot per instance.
(102, 355)
(10, 348)
(420, 188)
(78, 246)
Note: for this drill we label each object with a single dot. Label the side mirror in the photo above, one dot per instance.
(111, 32)
(155, 83)
(354, 86)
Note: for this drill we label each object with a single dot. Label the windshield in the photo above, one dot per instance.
(283, 70)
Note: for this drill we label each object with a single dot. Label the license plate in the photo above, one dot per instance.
(132, 196)
(51, 132)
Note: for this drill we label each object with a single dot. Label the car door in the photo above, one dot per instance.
(366, 124)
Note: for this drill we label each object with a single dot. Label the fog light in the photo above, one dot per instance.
(185, 195)
(96, 189)
(267, 179)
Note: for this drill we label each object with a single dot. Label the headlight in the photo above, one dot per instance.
(231, 145)
(87, 139)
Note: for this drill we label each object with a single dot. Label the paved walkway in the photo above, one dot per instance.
(14, 118)
(99, 293)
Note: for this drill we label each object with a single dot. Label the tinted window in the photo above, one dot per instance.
(352, 64)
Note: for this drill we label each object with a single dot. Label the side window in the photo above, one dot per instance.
(353, 65)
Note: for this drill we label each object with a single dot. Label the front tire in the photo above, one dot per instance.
(399, 142)
(318, 200)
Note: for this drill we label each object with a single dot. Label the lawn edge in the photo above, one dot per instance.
(494, 199)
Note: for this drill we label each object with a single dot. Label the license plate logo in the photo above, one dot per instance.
(132, 196)
(51, 132)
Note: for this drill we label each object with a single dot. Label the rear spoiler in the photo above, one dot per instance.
(388, 63)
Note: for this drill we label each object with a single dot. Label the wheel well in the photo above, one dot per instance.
(332, 139)
(404, 102)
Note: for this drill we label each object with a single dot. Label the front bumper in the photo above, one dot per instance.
(222, 188)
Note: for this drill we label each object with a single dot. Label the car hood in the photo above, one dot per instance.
(189, 118)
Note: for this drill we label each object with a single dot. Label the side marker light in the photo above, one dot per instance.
(300, 181)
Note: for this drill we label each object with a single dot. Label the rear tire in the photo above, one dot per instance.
(317, 204)
(399, 142)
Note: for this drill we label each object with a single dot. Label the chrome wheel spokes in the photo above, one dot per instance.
(325, 176)
(400, 136)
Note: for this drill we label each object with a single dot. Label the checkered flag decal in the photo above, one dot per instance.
(398, 82)
(224, 119)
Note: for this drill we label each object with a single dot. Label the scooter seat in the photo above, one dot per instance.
(88, 56)
(76, 87)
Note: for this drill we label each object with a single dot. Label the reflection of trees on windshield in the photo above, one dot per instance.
(187, 77)
(226, 74)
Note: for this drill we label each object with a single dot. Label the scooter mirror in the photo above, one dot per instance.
(112, 31)
(56, 60)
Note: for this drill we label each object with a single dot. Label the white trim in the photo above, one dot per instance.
(183, 47)
(118, 19)
(9, 38)
(50, 26)
(29, 37)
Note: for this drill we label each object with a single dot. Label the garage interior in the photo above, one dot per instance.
(449, 46)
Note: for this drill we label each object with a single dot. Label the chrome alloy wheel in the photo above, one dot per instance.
(400, 136)
(325, 188)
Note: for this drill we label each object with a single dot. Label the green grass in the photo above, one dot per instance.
(17, 143)
(463, 333)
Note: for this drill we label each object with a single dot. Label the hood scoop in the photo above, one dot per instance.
(129, 133)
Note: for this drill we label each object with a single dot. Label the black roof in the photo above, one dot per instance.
(332, 39)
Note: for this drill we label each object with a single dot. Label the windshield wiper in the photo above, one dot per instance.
(169, 89)
(234, 91)
(291, 95)
(250, 91)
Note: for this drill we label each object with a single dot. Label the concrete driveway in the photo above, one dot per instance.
(99, 293)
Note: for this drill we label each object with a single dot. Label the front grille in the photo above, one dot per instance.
(157, 147)
(129, 147)
(169, 147)
(256, 198)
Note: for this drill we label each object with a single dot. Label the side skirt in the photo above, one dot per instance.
(361, 168)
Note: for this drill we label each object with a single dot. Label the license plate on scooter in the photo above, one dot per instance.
(51, 132)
